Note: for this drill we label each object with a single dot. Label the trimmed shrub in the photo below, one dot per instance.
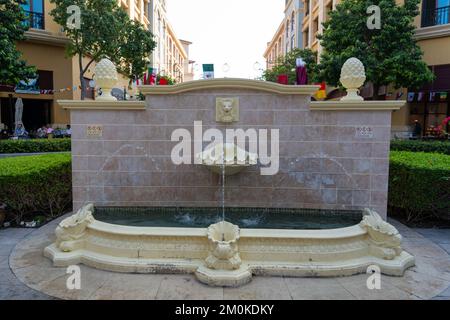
(421, 146)
(419, 185)
(36, 185)
(35, 145)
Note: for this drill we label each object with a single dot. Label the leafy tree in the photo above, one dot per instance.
(390, 54)
(12, 29)
(105, 30)
(286, 65)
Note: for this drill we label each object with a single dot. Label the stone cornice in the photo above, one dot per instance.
(432, 32)
(229, 83)
(101, 105)
(42, 36)
(357, 105)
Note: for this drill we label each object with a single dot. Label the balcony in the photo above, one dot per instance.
(35, 20)
(435, 17)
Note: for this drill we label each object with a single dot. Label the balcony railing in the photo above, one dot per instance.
(436, 16)
(34, 20)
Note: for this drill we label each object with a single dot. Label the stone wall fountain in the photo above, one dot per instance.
(333, 165)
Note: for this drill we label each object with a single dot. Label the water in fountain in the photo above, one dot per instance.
(223, 187)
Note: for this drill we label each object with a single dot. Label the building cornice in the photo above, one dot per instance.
(46, 37)
(432, 32)
(229, 83)
(176, 40)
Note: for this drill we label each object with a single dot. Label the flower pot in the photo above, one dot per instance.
(282, 79)
(163, 82)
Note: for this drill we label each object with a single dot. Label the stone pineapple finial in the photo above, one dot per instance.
(105, 78)
(353, 76)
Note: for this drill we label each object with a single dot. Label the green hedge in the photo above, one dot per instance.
(36, 185)
(35, 145)
(421, 146)
(419, 185)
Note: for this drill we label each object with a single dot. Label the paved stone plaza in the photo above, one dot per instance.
(26, 274)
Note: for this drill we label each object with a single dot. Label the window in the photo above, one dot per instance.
(306, 38)
(34, 12)
(328, 9)
(315, 27)
(306, 4)
(287, 29)
(292, 21)
(435, 12)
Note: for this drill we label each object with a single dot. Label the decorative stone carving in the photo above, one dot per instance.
(71, 231)
(385, 240)
(227, 110)
(234, 158)
(105, 77)
(224, 254)
(353, 76)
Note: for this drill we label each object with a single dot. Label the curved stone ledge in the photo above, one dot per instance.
(357, 105)
(229, 83)
(101, 105)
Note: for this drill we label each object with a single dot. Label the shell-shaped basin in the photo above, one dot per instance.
(227, 158)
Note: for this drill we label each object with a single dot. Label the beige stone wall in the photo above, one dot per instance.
(323, 162)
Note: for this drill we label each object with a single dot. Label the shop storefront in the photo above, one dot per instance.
(430, 105)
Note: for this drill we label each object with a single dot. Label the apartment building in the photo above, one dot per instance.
(288, 35)
(43, 48)
(58, 76)
(430, 104)
(171, 54)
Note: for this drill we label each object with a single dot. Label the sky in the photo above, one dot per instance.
(233, 32)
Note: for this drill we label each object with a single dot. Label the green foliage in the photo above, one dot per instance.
(419, 185)
(13, 68)
(390, 54)
(35, 145)
(133, 55)
(36, 185)
(286, 65)
(421, 146)
(105, 31)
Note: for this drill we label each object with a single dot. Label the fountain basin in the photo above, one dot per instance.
(313, 253)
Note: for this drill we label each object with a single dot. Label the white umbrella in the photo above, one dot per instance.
(19, 112)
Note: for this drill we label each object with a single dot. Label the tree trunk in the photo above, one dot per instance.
(83, 85)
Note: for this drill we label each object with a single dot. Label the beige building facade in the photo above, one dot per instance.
(58, 76)
(170, 56)
(432, 35)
